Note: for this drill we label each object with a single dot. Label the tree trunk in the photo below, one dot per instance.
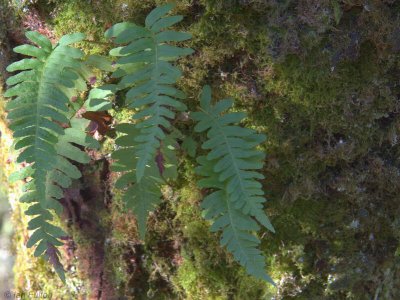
(320, 78)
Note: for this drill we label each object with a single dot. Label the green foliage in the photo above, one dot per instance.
(229, 167)
(50, 137)
(39, 114)
(322, 81)
(142, 197)
(144, 67)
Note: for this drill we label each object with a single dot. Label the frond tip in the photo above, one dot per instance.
(141, 197)
(230, 168)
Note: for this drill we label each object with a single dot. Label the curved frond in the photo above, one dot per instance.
(40, 117)
(230, 167)
(145, 69)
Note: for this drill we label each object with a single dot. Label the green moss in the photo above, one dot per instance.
(323, 86)
(80, 16)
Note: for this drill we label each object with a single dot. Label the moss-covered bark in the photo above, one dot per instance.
(321, 79)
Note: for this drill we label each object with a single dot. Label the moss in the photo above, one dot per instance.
(321, 80)
(80, 16)
(316, 112)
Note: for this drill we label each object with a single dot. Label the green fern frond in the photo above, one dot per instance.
(46, 235)
(145, 68)
(39, 113)
(141, 197)
(234, 148)
(230, 168)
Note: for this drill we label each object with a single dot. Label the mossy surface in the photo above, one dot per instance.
(321, 79)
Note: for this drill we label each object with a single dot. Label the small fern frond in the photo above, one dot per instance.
(145, 68)
(39, 113)
(142, 197)
(230, 168)
(234, 148)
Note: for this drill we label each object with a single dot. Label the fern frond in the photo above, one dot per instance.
(141, 197)
(237, 227)
(46, 235)
(234, 148)
(230, 168)
(145, 68)
(38, 114)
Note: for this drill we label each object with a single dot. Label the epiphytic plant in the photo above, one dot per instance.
(48, 133)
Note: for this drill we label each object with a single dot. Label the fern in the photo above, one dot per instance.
(144, 68)
(51, 138)
(230, 168)
(142, 197)
(39, 114)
